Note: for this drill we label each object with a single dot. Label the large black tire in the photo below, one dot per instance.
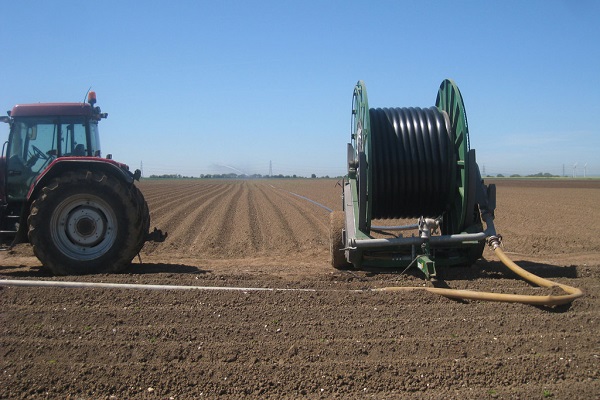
(86, 222)
(336, 241)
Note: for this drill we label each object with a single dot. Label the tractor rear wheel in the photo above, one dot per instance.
(336, 240)
(86, 222)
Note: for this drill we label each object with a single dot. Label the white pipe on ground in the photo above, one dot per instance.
(102, 285)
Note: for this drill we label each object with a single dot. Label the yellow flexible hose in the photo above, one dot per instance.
(550, 300)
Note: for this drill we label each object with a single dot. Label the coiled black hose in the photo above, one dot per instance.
(413, 162)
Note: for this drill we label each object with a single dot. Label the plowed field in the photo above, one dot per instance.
(328, 336)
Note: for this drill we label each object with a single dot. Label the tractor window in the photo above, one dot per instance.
(73, 138)
(94, 139)
(17, 145)
(45, 142)
(33, 142)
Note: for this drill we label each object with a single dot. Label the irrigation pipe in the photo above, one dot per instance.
(103, 285)
(306, 198)
(550, 300)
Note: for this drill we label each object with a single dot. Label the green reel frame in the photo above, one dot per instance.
(360, 155)
(449, 100)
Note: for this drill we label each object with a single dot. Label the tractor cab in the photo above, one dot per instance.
(43, 132)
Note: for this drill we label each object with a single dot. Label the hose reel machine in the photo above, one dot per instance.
(412, 163)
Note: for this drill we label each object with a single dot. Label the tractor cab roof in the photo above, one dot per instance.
(51, 109)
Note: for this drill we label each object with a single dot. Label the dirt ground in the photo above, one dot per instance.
(326, 337)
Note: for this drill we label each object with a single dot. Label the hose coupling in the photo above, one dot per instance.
(428, 227)
(494, 241)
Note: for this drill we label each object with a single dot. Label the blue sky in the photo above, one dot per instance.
(197, 87)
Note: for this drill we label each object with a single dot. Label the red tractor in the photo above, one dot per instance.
(81, 213)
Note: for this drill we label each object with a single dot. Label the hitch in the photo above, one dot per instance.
(156, 235)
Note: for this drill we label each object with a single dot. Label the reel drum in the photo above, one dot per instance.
(412, 163)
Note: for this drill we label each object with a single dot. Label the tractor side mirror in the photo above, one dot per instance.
(32, 133)
(5, 118)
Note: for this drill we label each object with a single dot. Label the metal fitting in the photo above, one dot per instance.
(428, 227)
(494, 241)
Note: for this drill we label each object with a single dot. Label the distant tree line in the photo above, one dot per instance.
(538, 175)
(235, 176)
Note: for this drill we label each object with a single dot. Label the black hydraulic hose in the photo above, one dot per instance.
(413, 160)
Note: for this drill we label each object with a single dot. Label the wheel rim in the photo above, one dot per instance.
(83, 227)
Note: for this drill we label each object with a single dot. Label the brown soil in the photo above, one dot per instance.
(337, 340)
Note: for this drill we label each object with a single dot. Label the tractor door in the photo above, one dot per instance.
(32, 146)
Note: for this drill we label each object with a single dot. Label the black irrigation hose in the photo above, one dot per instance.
(413, 160)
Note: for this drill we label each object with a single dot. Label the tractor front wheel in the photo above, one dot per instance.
(87, 222)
